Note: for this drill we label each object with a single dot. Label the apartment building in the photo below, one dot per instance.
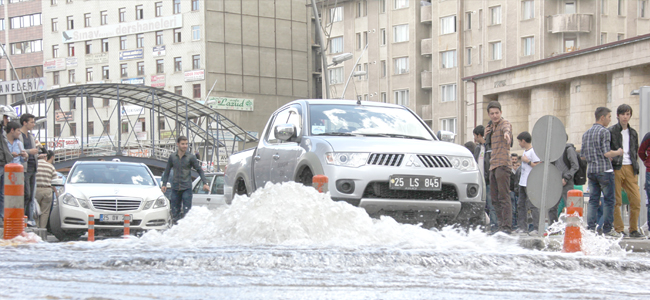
(254, 51)
(21, 33)
(420, 51)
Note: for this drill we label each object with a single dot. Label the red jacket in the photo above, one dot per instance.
(644, 151)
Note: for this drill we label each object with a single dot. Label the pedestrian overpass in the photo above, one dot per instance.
(210, 133)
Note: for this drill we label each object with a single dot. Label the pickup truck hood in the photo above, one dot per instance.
(83, 190)
(393, 145)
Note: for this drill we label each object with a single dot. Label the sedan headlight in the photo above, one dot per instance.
(347, 159)
(463, 163)
(68, 199)
(160, 202)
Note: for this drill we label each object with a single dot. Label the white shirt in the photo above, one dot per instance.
(626, 147)
(481, 159)
(525, 168)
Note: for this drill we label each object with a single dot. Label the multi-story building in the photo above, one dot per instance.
(21, 33)
(256, 51)
(419, 51)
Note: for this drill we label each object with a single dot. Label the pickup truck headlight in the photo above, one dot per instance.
(463, 163)
(71, 200)
(347, 159)
(160, 202)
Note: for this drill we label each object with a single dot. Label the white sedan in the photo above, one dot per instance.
(212, 199)
(109, 191)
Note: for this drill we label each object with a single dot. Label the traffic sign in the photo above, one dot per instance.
(557, 137)
(554, 186)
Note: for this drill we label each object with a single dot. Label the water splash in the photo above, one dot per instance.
(592, 243)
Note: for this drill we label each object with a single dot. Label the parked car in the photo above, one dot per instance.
(381, 157)
(109, 190)
(212, 199)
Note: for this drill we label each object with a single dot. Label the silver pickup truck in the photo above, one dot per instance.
(381, 157)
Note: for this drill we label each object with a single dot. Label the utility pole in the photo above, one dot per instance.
(322, 50)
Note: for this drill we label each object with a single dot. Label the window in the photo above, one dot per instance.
(160, 66)
(103, 17)
(161, 123)
(158, 9)
(495, 15)
(480, 18)
(401, 4)
(401, 65)
(177, 35)
(73, 103)
(336, 45)
(620, 36)
(528, 45)
(87, 20)
(107, 127)
(55, 77)
(400, 33)
(139, 40)
(196, 62)
(448, 59)
(448, 25)
(365, 69)
(365, 38)
(177, 6)
(336, 14)
(55, 51)
(89, 47)
(105, 74)
(139, 12)
(528, 9)
(71, 49)
(125, 127)
(178, 67)
(382, 6)
(496, 50)
(196, 33)
(448, 124)
(123, 70)
(142, 123)
(358, 9)
(24, 21)
(603, 38)
(643, 4)
(90, 128)
(619, 7)
(603, 6)
(57, 104)
(104, 45)
(55, 24)
(569, 7)
(480, 54)
(105, 102)
(336, 75)
(73, 129)
(468, 20)
(383, 97)
(468, 56)
(196, 91)
(26, 47)
(384, 71)
(57, 130)
(358, 40)
(89, 74)
(70, 22)
(382, 36)
(402, 97)
(448, 92)
(195, 5)
(122, 14)
(159, 37)
(140, 68)
(53, 2)
(178, 90)
(123, 42)
(569, 44)
(90, 102)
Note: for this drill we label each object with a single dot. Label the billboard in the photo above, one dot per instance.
(106, 31)
(132, 54)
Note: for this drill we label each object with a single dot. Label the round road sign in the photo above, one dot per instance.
(553, 186)
(541, 137)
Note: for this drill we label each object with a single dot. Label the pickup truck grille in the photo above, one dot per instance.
(116, 203)
(380, 189)
(392, 160)
(435, 161)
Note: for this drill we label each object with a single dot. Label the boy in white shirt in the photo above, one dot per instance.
(528, 160)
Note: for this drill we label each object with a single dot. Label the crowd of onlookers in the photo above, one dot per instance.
(608, 162)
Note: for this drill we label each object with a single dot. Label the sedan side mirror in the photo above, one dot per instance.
(57, 182)
(284, 132)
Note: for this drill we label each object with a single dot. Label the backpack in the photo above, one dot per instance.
(580, 177)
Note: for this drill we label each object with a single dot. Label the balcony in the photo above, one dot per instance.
(426, 47)
(426, 14)
(426, 113)
(426, 79)
(569, 23)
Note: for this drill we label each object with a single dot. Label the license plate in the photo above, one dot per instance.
(418, 183)
(111, 218)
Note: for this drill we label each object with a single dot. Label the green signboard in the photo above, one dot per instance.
(230, 103)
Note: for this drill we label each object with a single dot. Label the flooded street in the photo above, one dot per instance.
(287, 241)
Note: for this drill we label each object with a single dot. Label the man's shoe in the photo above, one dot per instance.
(622, 233)
(521, 232)
(612, 234)
(636, 234)
(533, 233)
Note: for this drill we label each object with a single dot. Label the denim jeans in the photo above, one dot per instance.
(180, 199)
(490, 210)
(601, 182)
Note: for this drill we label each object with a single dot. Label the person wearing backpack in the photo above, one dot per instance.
(568, 165)
(626, 169)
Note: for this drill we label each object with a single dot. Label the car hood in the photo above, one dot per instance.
(84, 190)
(394, 145)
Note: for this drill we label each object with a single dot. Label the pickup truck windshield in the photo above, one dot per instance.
(359, 120)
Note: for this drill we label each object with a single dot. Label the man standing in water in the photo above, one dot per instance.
(500, 132)
(182, 163)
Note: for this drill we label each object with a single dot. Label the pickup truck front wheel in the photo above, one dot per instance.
(306, 177)
(240, 187)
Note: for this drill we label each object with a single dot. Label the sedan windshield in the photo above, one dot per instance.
(111, 174)
(358, 120)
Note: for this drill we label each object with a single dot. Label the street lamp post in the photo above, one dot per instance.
(360, 73)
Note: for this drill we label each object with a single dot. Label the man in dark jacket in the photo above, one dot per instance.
(644, 154)
(482, 157)
(5, 155)
(626, 169)
(568, 171)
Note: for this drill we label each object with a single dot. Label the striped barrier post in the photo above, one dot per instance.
(91, 228)
(25, 221)
(14, 180)
(127, 225)
(319, 182)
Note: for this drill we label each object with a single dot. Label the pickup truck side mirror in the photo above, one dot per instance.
(446, 136)
(284, 132)
(57, 182)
